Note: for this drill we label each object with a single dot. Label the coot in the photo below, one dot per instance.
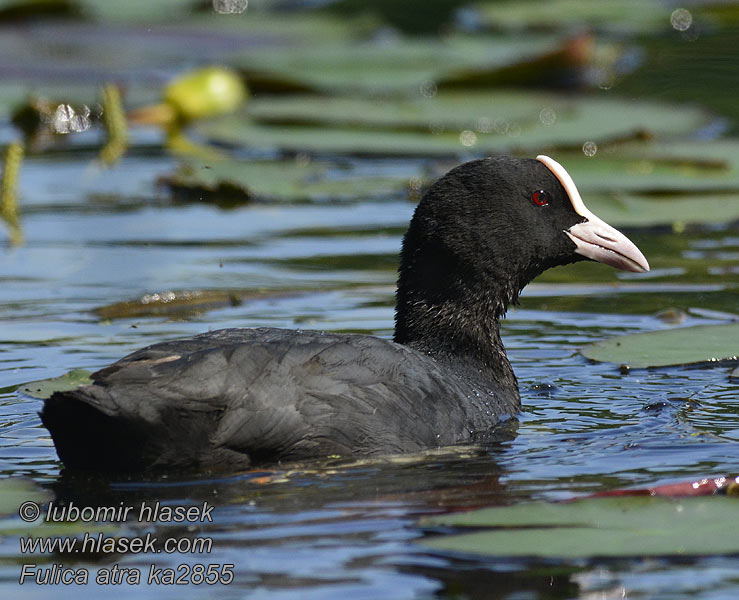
(236, 397)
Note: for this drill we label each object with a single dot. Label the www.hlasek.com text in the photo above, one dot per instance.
(95, 544)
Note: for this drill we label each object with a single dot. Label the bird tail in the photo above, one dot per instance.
(88, 437)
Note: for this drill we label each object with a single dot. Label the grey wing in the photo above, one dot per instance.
(342, 395)
(241, 395)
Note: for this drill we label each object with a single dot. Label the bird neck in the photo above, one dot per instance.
(461, 326)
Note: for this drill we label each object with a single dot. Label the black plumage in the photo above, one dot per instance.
(236, 397)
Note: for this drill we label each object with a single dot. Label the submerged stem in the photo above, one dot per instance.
(8, 196)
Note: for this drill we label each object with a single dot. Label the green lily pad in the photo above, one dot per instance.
(658, 169)
(17, 491)
(351, 64)
(628, 210)
(230, 182)
(141, 11)
(448, 124)
(182, 302)
(629, 16)
(233, 182)
(687, 269)
(501, 112)
(684, 345)
(632, 526)
(14, 491)
(44, 388)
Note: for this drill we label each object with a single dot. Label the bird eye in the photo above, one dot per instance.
(541, 197)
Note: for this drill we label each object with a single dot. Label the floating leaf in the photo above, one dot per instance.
(142, 11)
(449, 124)
(684, 345)
(44, 388)
(397, 65)
(14, 491)
(628, 16)
(565, 66)
(231, 182)
(663, 170)
(173, 302)
(631, 210)
(622, 526)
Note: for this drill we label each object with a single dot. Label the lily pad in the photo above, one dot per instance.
(180, 302)
(17, 491)
(352, 64)
(484, 112)
(633, 210)
(231, 182)
(685, 345)
(628, 16)
(663, 170)
(44, 388)
(448, 124)
(625, 526)
(141, 11)
(14, 491)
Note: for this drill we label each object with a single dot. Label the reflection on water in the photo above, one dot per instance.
(317, 530)
(331, 529)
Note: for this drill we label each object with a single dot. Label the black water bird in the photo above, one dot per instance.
(235, 397)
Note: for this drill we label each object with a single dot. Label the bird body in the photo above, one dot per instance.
(235, 397)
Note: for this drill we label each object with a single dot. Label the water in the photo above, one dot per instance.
(337, 531)
(329, 529)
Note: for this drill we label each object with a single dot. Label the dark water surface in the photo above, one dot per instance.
(95, 237)
(336, 530)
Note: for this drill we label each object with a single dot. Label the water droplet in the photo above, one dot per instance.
(67, 120)
(230, 7)
(468, 138)
(547, 116)
(428, 89)
(484, 125)
(681, 19)
(501, 125)
(589, 148)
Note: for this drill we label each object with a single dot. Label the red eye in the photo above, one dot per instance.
(540, 197)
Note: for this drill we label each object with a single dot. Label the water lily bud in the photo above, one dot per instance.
(205, 93)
